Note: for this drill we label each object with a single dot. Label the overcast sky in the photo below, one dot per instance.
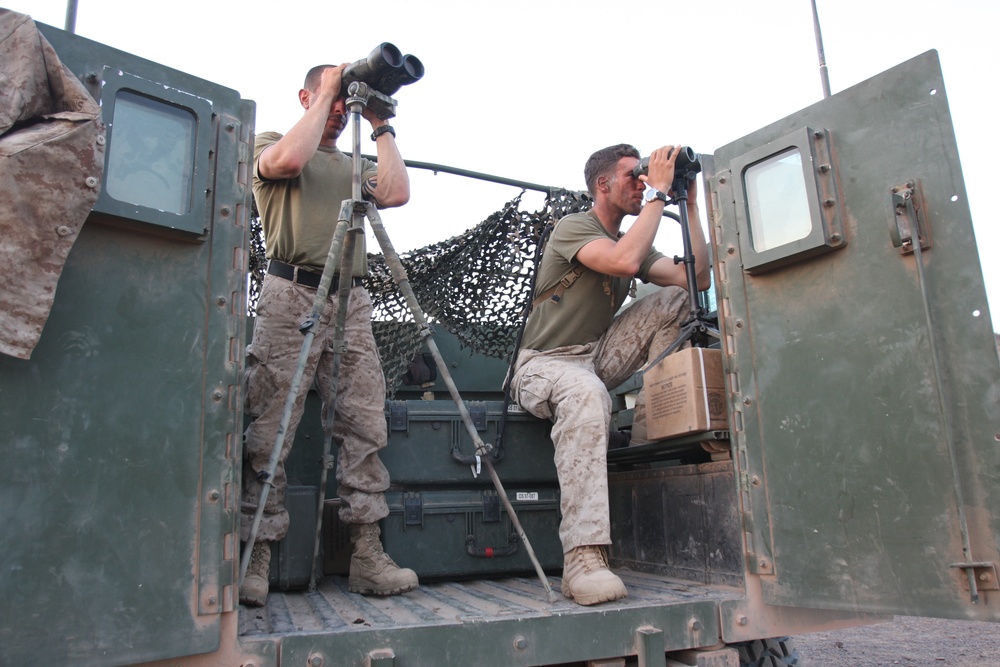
(528, 89)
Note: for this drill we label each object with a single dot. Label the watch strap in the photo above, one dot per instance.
(379, 131)
(655, 194)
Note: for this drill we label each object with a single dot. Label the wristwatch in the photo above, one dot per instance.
(652, 194)
(382, 129)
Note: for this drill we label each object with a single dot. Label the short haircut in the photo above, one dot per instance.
(311, 82)
(604, 161)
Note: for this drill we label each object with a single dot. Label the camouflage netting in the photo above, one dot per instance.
(474, 285)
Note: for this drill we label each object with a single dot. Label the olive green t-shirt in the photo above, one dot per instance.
(587, 307)
(299, 215)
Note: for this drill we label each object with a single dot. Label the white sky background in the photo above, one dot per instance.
(529, 89)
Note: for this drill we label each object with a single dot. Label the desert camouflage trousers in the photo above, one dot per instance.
(570, 384)
(359, 429)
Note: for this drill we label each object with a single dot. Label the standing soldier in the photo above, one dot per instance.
(300, 181)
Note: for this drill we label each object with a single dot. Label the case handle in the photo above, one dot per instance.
(491, 552)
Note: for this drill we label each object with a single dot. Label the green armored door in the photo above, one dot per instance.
(861, 364)
(120, 434)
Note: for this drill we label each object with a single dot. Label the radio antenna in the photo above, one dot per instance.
(71, 16)
(824, 75)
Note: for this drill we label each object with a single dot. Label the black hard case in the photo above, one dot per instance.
(456, 533)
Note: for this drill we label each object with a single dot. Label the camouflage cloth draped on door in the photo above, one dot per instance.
(51, 162)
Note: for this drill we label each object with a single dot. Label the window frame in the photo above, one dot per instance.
(818, 176)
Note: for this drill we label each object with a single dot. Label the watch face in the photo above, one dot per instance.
(653, 193)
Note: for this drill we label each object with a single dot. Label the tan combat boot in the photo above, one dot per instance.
(372, 571)
(253, 592)
(587, 579)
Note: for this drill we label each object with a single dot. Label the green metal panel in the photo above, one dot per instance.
(865, 423)
(121, 431)
(563, 636)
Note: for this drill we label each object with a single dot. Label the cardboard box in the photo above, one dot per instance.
(685, 393)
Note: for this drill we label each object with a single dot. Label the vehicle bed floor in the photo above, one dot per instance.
(331, 608)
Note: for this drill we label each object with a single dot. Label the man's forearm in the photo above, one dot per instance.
(393, 182)
(289, 156)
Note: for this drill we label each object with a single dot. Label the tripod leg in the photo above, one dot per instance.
(340, 345)
(402, 281)
(309, 329)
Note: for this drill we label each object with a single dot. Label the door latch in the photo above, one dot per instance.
(906, 218)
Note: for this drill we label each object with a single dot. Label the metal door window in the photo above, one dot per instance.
(151, 161)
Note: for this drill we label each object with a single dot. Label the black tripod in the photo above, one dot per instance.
(699, 329)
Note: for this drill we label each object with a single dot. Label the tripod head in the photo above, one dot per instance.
(360, 93)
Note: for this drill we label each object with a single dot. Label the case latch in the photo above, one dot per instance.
(398, 417)
(413, 510)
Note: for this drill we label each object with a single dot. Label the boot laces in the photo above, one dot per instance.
(374, 551)
(375, 545)
(592, 558)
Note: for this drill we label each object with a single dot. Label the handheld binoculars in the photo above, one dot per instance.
(385, 70)
(688, 164)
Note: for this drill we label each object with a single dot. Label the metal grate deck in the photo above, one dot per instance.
(332, 609)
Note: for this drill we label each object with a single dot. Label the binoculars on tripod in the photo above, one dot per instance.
(385, 70)
(688, 164)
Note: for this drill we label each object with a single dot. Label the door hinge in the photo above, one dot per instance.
(978, 576)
